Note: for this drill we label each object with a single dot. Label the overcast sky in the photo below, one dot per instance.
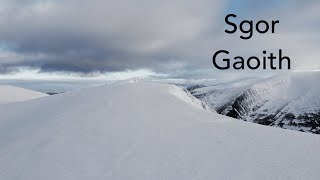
(167, 38)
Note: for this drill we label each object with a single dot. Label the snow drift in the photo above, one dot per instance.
(144, 131)
(10, 94)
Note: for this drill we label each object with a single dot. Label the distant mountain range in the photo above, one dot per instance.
(290, 101)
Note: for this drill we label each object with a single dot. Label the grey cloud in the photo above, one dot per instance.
(101, 35)
(165, 36)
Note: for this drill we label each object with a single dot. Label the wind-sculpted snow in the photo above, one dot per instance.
(144, 131)
(188, 98)
(291, 101)
(10, 94)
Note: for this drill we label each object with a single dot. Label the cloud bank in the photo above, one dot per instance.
(171, 37)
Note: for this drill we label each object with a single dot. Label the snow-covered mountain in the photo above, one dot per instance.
(146, 131)
(290, 101)
(10, 94)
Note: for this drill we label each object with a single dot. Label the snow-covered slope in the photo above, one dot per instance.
(144, 131)
(220, 96)
(9, 94)
(291, 101)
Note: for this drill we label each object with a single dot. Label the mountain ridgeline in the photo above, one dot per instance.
(290, 101)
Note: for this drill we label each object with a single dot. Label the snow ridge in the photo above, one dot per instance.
(11, 94)
(186, 96)
(143, 131)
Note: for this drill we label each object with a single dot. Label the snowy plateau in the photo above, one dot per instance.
(141, 130)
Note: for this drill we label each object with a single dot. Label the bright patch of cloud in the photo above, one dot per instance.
(36, 74)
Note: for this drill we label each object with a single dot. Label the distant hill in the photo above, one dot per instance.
(10, 94)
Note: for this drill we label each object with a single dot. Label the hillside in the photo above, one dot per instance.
(146, 131)
(290, 101)
(10, 94)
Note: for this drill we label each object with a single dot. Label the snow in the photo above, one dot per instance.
(271, 101)
(10, 94)
(292, 93)
(187, 97)
(298, 91)
(144, 131)
(220, 95)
